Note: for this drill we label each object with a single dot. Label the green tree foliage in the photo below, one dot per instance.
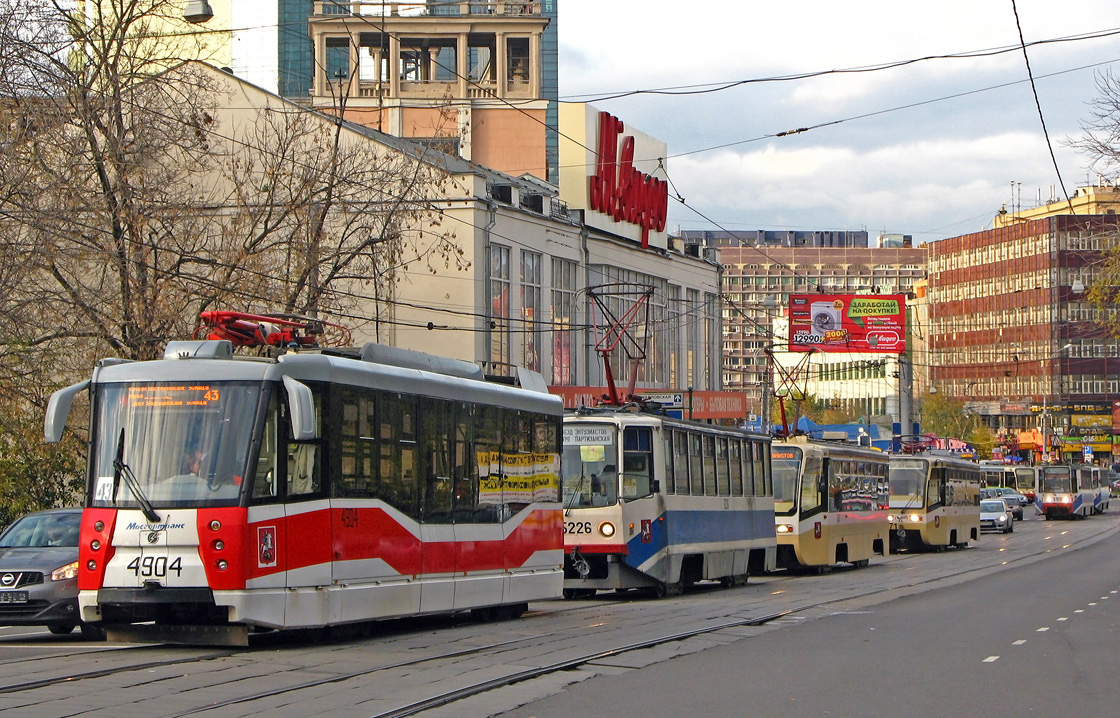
(948, 418)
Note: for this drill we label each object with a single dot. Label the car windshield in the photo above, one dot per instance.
(42, 530)
(992, 507)
(186, 443)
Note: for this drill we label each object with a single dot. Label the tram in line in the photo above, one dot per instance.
(230, 494)
(1092, 475)
(1065, 491)
(657, 503)
(830, 503)
(934, 502)
(1018, 478)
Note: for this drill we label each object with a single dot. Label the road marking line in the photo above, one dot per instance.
(1044, 628)
(991, 659)
(1092, 603)
(1063, 618)
(1019, 642)
(1079, 610)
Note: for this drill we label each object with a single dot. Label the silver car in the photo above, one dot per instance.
(996, 516)
(39, 572)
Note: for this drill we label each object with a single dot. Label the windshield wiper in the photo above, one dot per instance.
(575, 494)
(121, 469)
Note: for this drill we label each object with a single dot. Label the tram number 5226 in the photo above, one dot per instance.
(577, 527)
(155, 566)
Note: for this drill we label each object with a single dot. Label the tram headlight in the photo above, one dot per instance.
(606, 529)
(891, 518)
(784, 528)
(68, 571)
(916, 518)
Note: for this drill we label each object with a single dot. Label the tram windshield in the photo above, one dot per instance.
(1055, 480)
(785, 465)
(590, 465)
(1024, 480)
(907, 480)
(186, 444)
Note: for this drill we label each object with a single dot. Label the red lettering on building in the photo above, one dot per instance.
(619, 190)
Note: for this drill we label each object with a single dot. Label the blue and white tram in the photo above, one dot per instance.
(228, 494)
(691, 502)
(1090, 475)
(1062, 491)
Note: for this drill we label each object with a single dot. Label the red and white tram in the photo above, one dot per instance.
(229, 494)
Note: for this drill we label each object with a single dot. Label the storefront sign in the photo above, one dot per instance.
(847, 323)
(621, 191)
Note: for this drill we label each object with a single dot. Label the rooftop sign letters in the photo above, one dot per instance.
(620, 190)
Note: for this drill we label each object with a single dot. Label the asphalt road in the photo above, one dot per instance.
(1037, 639)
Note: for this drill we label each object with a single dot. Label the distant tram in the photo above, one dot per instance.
(230, 494)
(934, 502)
(1066, 491)
(658, 504)
(830, 503)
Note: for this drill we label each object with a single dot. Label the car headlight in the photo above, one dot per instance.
(67, 572)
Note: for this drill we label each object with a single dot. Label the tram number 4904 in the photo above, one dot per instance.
(577, 527)
(156, 566)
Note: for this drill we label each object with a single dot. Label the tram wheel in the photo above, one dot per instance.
(862, 563)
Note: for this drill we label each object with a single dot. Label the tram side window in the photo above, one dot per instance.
(680, 462)
(637, 462)
(735, 460)
(436, 421)
(750, 478)
(488, 464)
(709, 463)
(546, 453)
(762, 486)
(357, 448)
(695, 465)
(398, 458)
(669, 483)
(723, 473)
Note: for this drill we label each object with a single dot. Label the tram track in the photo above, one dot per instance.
(615, 633)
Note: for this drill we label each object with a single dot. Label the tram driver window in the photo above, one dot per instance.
(303, 463)
(637, 462)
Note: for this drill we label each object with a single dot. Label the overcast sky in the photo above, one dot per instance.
(936, 170)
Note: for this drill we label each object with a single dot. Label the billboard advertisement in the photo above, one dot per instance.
(848, 323)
